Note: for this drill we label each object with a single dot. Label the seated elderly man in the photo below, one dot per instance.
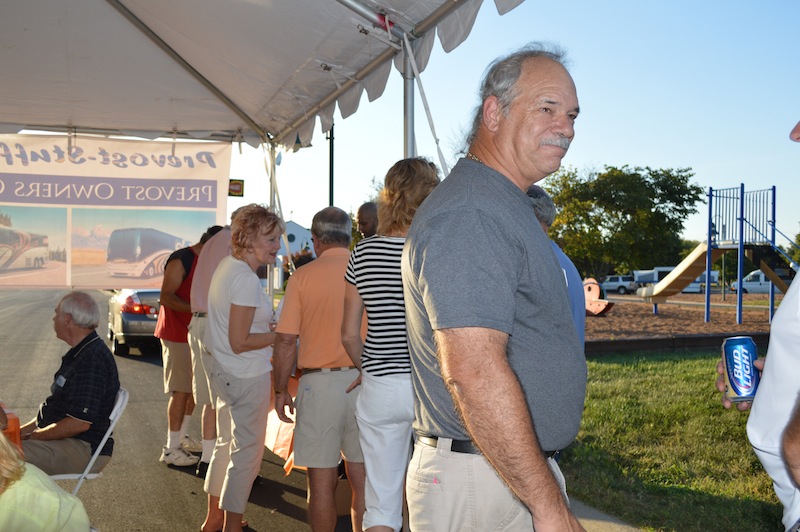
(72, 421)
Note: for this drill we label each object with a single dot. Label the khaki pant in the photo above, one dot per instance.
(242, 409)
(460, 491)
(61, 457)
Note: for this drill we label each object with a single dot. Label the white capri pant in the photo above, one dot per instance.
(384, 411)
(242, 408)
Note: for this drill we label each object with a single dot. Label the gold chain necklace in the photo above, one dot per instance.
(474, 157)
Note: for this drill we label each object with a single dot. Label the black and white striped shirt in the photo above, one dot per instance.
(374, 269)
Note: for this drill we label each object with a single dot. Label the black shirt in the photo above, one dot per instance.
(85, 388)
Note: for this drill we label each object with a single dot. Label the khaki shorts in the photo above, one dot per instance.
(177, 367)
(201, 362)
(326, 428)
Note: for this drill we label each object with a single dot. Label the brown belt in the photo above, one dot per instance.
(467, 446)
(326, 370)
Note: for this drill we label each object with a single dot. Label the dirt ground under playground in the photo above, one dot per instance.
(682, 315)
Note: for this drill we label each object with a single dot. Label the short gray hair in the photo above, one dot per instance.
(332, 225)
(82, 308)
(543, 206)
(501, 78)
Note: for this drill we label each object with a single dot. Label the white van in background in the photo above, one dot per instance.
(756, 282)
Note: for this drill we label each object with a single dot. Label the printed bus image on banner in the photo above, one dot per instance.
(103, 213)
(33, 246)
(129, 248)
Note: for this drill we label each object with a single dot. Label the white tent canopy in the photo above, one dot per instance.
(234, 70)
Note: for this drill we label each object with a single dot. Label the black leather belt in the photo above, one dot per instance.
(326, 370)
(467, 446)
(199, 314)
(456, 446)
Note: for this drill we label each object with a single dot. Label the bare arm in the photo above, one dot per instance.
(351, 324)
(791, 444)
(239, 335)
(284, 359)
(27, 428)
(68, 427)
(491, 403)
(173, 277)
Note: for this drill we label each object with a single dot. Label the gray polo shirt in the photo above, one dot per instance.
(477, 257)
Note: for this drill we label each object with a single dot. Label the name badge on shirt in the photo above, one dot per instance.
(60, 381)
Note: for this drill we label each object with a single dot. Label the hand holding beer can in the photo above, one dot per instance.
(741, 376)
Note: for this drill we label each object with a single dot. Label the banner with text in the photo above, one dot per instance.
(90, 212)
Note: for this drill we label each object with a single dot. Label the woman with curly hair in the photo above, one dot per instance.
(385, 406)
(239, 335)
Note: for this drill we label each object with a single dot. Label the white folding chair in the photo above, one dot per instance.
(116, 413)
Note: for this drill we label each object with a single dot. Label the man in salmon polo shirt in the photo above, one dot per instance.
(326, 428)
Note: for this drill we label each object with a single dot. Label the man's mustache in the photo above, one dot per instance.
(561, 142)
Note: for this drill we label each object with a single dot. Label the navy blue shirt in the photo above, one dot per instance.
(84, 387)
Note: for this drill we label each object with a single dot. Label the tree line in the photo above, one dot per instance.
(625, 218)
(620, 219)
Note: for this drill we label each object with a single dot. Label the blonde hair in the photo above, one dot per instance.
(406, 186)
(11, 465)
(249, 222)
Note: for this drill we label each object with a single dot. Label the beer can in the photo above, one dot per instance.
(741, 376)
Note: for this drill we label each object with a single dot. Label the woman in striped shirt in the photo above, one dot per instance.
(385, 407)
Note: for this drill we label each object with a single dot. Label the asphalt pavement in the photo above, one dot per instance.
(136, 492)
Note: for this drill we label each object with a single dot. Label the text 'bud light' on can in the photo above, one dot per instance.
(741, 376)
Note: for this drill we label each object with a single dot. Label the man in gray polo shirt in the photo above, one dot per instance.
(498, 370)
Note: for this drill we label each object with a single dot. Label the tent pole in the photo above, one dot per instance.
(272, 204)
(330, 167)
(376, 19)
(409, 141)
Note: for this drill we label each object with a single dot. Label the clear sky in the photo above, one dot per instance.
(711, 85)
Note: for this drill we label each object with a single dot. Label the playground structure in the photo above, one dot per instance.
(737, 220)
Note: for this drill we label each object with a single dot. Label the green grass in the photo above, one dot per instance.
(657, 449)
(760, 302)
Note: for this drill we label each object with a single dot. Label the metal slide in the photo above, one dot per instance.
(682, 276)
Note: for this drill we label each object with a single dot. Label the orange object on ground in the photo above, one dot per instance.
(12, 431)
(280, 435)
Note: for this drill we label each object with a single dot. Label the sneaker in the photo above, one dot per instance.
(191, 446)
(178, 457)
